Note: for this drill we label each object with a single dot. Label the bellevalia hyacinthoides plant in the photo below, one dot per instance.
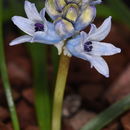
(69, 18)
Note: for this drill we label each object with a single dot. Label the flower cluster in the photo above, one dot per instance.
(69, 18)
(71, 15)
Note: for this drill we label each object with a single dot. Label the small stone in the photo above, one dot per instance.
(80, 119)
(71, 104)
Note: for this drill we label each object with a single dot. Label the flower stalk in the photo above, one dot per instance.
(4, 76)
(59, 91)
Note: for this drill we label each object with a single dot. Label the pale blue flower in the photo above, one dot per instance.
(36, 26)
(88, 47)
(69, 18)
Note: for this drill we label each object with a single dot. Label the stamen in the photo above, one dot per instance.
(88, 46)
(39, 27)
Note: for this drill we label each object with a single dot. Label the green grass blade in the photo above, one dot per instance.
(105, 11)
(121, 10)
(117, 9)
(55, 61)
(108, 115)
(41, 90)
(4, 76)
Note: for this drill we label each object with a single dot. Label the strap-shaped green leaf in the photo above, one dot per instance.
(108, 115)
(4, 76)
(41, 90)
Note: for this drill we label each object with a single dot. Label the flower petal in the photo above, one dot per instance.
(59, 47)
(99, 64)
(87, 16)
(22, 39)
(64, 28)
(92, 29)
(85, 2)
(50, 30)
(71, 12)
(24, 24)
(83, 35)
(31, 11)
(74, 46)
(104, 49)
(101, 33)
(95, 2)
(60, 4)
(66, 52)
(46, 38)
(91, 2)
(42, 13)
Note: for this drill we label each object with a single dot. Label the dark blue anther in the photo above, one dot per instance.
(39, 27)
(88, 46)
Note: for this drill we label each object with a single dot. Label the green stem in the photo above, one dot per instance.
(59, 92)
(5, 79)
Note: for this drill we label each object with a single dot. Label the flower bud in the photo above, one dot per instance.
(86, 17)
(71, 12)
(64, 28)
(60, 4)
(51, 9)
